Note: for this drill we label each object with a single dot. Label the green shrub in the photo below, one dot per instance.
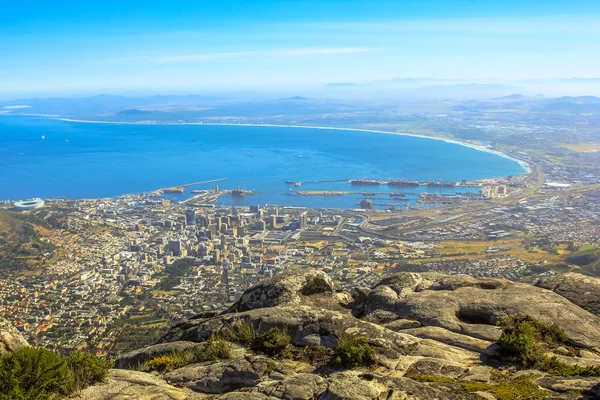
(528, 340)
(354, 351)
(239, 332)
(554, 366)
(214, 349)
(87, 369)
(273, 342)
(162, 363)
(36, 374)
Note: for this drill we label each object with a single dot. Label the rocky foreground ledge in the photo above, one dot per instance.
(436, 337)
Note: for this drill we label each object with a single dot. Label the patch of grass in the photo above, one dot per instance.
(354, 351)
(521, 388)
(239, 332)
(40, 374)
(528, 340)
(273, 342)
(214, 349)
(88, 369)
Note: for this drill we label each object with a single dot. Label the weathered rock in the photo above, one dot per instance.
(431, 348)
(436, 366)
(287, 288)
(455, 339)
(245, 396)
(305, 324)
(577, 288)
(225, 376)
(401, 324)
(589, 386)
(127, 385)
(10, 338)
(355, 385)
(471, 306)
(298, 387)
(402, 282)
(380, 317)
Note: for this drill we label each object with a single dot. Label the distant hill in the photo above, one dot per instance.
(21, 244)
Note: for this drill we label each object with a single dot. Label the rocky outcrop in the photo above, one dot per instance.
(306, 326)
(421, 325)
(473, 307)
(578, 289)
(127, 385)
(286, 289)
(10, 338)
(226, 376)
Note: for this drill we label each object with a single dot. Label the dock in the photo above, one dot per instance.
(181, 188)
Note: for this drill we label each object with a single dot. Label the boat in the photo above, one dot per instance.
(440, 183)
(402, 183)
(237, 192)
(43, 137)
(364, 182)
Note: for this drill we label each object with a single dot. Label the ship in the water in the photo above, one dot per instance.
(238, 192)
(365, 182)
(402, 183)
(440, 183)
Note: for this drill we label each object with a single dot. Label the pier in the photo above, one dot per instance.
(181, 188)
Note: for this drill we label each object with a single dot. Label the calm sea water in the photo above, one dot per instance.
(82, 160)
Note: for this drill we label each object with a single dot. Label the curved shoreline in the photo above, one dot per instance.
(522, 163)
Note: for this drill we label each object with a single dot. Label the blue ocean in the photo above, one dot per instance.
(47, 158)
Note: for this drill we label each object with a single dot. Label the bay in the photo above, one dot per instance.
(87, 160)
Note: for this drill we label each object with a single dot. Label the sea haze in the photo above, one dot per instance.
(83, 160)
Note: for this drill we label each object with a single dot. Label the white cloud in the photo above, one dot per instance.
(294, 52)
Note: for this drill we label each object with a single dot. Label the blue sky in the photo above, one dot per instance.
(195, 46)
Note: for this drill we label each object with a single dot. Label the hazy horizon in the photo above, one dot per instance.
(291, 47)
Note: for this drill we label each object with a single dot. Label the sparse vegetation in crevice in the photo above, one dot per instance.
(354, 351)
(350, 352)
(528, 340)
(521, 388)
(273, 342)
(239, 332)
(214, 349)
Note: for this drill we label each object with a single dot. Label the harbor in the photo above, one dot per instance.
(388, 194)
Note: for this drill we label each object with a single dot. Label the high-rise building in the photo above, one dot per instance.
(190, 217)
(254, 209)
(273, 221)
(177, 247)
(302, 220)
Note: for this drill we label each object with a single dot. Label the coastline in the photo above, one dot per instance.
(525, 165)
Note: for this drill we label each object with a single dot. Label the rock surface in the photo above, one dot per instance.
(10, 338)
(421, 324)
(578, 289)
(472, 307)
(127, 385)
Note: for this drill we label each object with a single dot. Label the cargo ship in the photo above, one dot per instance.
(238, 192)
(364, 182)
(402, 183)
(440, 183)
